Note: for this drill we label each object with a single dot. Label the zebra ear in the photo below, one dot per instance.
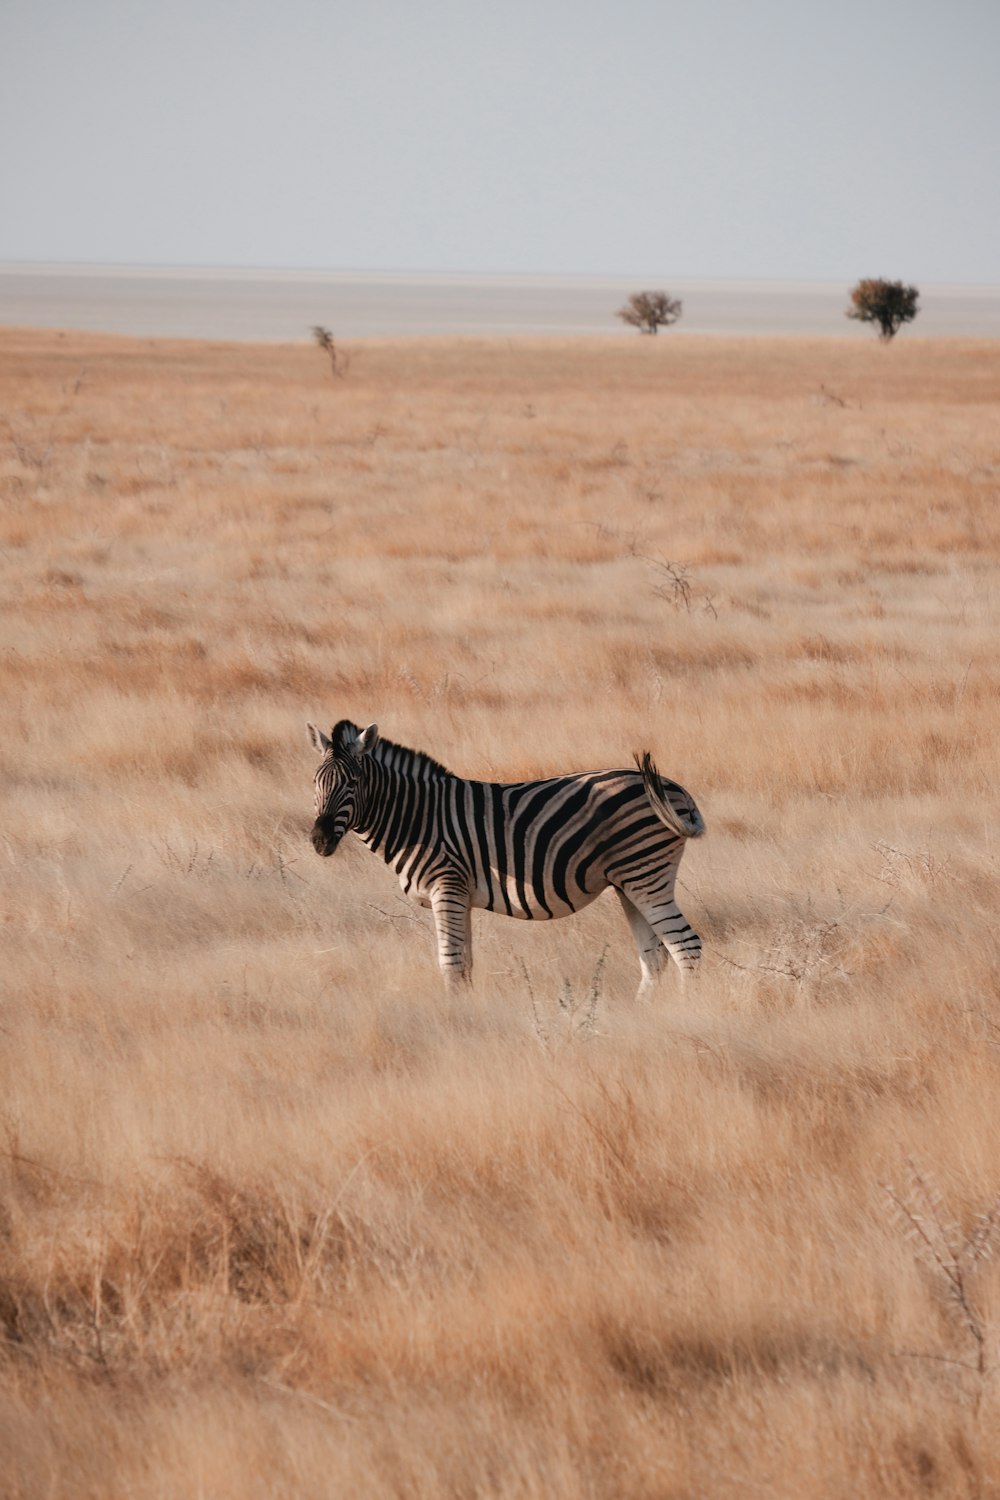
(367, 740)
(318, 739)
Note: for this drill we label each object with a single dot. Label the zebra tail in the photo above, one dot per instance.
(677, 811)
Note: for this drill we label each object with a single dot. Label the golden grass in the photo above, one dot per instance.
(278, 1218)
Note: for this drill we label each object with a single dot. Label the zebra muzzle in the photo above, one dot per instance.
(325, 837)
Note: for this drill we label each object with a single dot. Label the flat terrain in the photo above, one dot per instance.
(279, 1219)
(203, 303)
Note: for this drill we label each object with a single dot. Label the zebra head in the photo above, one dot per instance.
(338, 780)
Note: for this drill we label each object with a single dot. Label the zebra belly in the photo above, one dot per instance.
(512, 900)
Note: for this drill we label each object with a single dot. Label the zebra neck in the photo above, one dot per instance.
(396, 809)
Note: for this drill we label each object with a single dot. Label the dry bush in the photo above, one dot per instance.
(279, 1218)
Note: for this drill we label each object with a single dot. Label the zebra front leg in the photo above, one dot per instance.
(664, 918)
(652, 954)
(453, 922)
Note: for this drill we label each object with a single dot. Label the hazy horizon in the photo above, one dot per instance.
(444, 274)
(246, 304)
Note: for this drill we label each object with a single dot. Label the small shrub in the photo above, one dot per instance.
(325, 340)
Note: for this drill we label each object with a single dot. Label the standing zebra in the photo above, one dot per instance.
(525, 848)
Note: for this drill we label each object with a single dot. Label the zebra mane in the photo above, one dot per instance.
(413, 763)
(410, 762)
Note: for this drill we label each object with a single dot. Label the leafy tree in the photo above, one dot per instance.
(890, 304)
(650, 311)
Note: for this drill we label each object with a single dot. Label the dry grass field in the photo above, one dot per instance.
(280, 1219)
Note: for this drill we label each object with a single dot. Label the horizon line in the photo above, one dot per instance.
(193, 268)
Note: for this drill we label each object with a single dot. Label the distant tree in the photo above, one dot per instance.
(324, 338)
(890, 304)
(650, 311)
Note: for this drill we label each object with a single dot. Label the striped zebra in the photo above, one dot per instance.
(529, 849)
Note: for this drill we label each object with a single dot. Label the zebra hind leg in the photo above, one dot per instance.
(663, 918)
(453, 923)
(652, 954)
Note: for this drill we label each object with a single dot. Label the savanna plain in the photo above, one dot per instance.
(280, 1218)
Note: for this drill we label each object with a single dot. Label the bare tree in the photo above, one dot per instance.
(650, 311)
(338, 361)
(890, 304)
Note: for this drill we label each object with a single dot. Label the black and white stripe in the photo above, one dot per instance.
(531, 849)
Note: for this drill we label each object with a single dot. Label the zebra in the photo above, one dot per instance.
(531, 849)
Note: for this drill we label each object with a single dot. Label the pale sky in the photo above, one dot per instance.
(710, 138)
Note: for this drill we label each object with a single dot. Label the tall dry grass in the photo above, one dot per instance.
(280, 1219)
